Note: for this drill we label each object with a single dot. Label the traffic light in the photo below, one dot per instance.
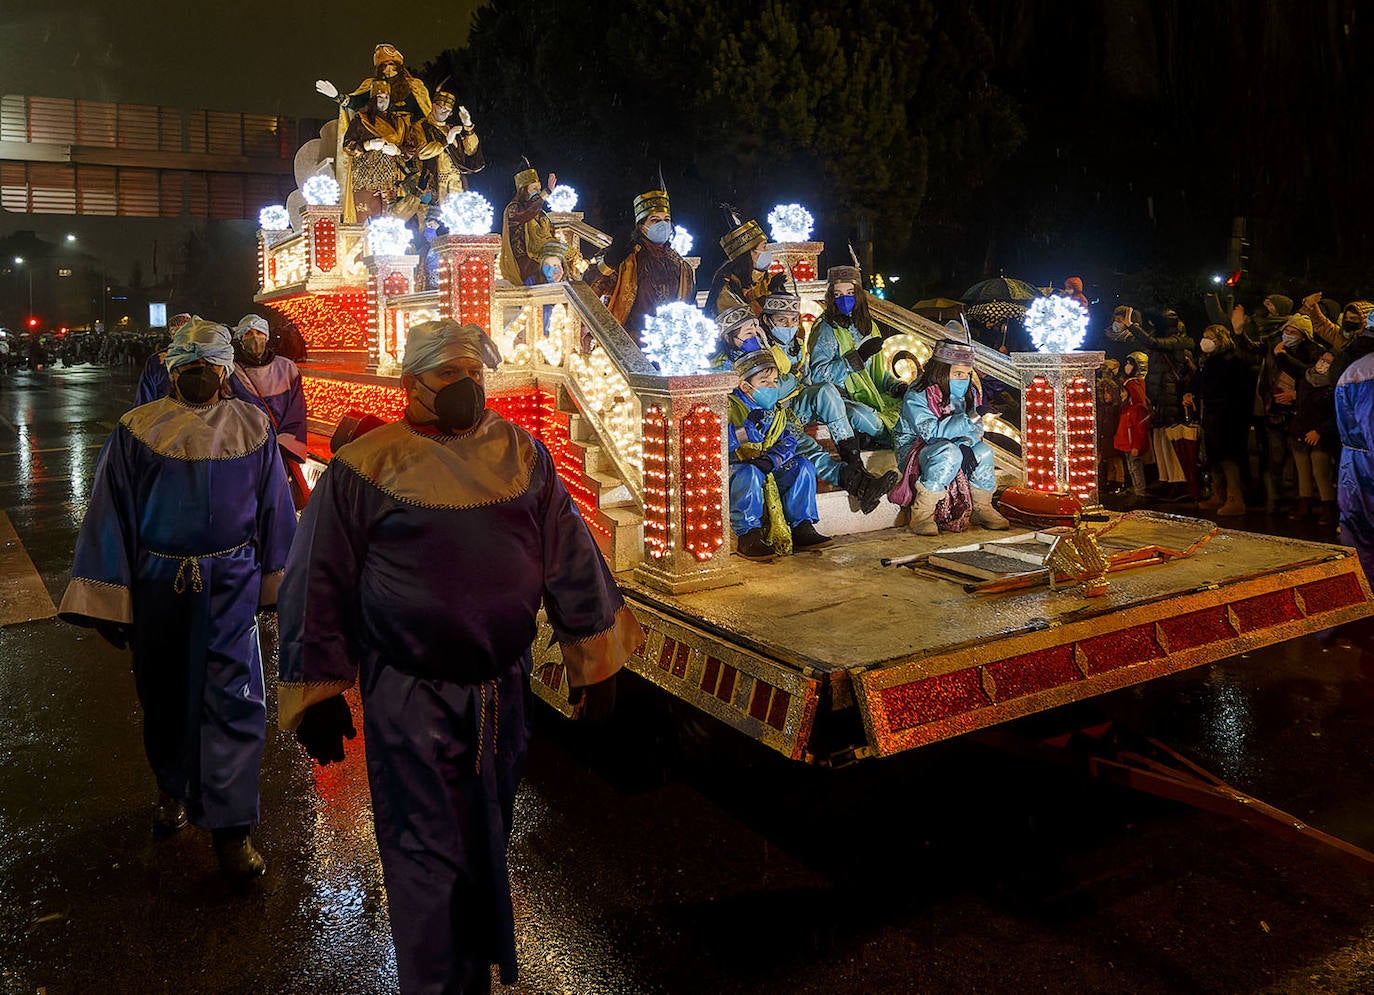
(33, 322)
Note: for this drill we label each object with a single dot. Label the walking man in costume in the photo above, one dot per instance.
(184, 541)
(273, 383)
(419, 567)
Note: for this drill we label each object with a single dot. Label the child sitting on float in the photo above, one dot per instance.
(947, 469)
(772, 482)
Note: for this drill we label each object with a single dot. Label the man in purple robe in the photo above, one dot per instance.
(185, 539)
(418, 570)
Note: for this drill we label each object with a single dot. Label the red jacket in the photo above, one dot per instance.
(1133, 430)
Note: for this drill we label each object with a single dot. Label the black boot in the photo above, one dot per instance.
(805, 536)
(865, 488)
(752, 547)
(238, 858)
(170, 815)
(849, 451)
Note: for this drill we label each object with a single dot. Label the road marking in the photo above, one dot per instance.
(23, 597)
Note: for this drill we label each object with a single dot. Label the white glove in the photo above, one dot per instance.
(327, 89)
(453, 133)
(374, 144)
(390, 149)
(464, 118)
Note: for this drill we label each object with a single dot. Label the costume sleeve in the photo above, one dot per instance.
(154, 383)
(318, 604)
(916, 420)
(590, 619)
(102, 570)
(276, 524)
(827, 366)
(601, 278)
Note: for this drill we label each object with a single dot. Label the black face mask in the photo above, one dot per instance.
(460, 405)
(198, 384)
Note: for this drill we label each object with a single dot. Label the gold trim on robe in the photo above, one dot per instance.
(596, 657)
(96, 599)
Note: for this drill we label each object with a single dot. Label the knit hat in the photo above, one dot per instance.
(1301, 322)
(1283, 306)
(1331, 310)
(1074, 284)
(1364, 308)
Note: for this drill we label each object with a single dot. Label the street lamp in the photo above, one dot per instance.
(19, 261)
(70, 238)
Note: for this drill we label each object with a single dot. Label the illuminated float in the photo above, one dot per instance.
(825, 657)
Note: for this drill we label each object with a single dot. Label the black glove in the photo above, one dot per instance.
(619, 249)
(764, 463)
(869, 348)
(758, 416)
(855, 361)
(594, 702)
(324, 727)
(115, 633)
(970, 460)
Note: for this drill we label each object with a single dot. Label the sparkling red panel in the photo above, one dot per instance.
(1040, 435)
(665, 655)
(326, 244)
(396, 284)
(777, 711)
(933, 698)
(1121, 649)
(656, 540)
(336, 322)
(329, 400)
(474, 293)
(1197, 629)
(1332, 593)
(702, 517)
(710, 676)
(1031, 672)
(804, 270)
(680, 660)
(1266, 610)
(726, 691)
(758, 705)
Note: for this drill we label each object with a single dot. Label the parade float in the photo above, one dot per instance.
(886, 641)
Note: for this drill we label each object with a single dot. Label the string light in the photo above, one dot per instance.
(474, 293)
(387, 236)
(467, 213)
(562, 199)
(320, 189)
(326, 243)
(1039, 444)
(906, 344)
(1081, 438)
(335, 322)
(274, 217)
(682, 241)
(680, 339)
(701, 483)
(790, 223)
(1056, 324)
(657, 523)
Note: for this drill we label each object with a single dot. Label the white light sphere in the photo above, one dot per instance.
(680, 339)
(467, 213)
(682, 241)
(387, 236)
(790, 223)
(562, 199)
(321, 189)
(1056, 324)
(274, 217)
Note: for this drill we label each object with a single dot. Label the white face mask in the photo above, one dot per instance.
(1207, 345)
(764, 261)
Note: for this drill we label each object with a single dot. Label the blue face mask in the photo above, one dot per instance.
(766, 397)
(957, 389)
(845, 304)
(751, 344)
(552, 274)
(659, 232)
(782, 333)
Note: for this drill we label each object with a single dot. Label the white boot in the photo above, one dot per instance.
(923, 511)
(984, 513)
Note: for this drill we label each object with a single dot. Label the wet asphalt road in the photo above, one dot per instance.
(647, 858)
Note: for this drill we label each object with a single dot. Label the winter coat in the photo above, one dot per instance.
(1108, 410)
(1170, 375)
(1281, 370)
(1316, 411)
(1133, 430)
(1226, 389)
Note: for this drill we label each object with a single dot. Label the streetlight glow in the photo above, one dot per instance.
(19, 260)
(71, 237)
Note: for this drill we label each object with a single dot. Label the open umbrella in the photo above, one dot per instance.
(1001, 288)
(940, 309)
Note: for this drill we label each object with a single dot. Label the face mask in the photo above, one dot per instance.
(845, 304)
(1322, 366)
(254, 345)
(383, 103)
(782, 333)
(957, 389)
(1290, 337)
(460, 405)
(659, 232)
(198, 384)
(764, 261)
(1207, 345)
(766, 397)
(552, 274)
(751, 344)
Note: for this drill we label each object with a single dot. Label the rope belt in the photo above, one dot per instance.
(180, 582)
(487, 690)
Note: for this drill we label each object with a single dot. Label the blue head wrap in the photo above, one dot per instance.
(200, 339)
(431, 344)
(251, 323)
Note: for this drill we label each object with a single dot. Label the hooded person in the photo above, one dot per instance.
(525, 227)
(947, 471)
(640, 274)
(846, 350)
(274, 383)
(418, 573)
(1284, 362)
(1133, 428)
(1333, 325)
(744, 276)
(184, 540)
